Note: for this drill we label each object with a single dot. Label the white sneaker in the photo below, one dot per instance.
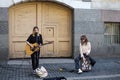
(38, 69)
(80, 71)
(90, 67)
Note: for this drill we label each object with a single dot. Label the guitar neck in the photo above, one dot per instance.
(47, 43)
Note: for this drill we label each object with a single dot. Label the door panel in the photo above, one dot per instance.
(54, 22)
(23, 20)
(49, 34)
(60, 17)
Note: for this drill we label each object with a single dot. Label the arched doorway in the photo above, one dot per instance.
(54, 21)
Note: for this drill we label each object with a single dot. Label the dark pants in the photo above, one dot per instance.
(35, 60)
(78, 59)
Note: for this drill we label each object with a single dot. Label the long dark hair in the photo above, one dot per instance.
(35, 28)
(83, 37)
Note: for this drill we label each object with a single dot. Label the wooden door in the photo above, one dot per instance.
(56, 27)
(54, 21)
(22, 18)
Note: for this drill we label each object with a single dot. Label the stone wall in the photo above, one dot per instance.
(3, 34)
(91, 23)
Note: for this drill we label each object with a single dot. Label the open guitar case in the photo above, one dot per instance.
(55, 78)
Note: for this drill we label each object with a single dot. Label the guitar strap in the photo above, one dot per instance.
(37, 40)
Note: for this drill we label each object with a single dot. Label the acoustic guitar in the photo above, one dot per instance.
(35, 48)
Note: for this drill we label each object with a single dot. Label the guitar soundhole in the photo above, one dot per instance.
(33, 49)
(36, 48)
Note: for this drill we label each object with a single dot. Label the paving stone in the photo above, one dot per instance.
(101, 71)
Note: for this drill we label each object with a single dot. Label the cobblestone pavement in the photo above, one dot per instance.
(105, 69)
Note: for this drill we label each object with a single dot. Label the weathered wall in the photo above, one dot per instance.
(3, 34)
(105, 4)
(91, 23)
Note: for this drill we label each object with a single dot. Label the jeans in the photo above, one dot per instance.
(78, 59)
(35, 60)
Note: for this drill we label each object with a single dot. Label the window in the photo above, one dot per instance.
(112, 33)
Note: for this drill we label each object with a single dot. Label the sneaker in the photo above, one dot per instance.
(79, 71)
(38, 69)
(90, 67)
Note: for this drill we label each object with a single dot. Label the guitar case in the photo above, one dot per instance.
(55, 78)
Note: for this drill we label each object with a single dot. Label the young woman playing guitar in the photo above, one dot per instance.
(35, 37)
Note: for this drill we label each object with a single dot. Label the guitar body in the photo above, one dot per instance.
(36, 48)
(28, 49)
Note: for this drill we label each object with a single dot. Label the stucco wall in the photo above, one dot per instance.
(105, 4)
(3, 33)
(91, 23)
(81, 4)
(85, 4)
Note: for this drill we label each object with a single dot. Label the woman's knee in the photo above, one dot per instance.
(76, 59)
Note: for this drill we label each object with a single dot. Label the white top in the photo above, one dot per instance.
(85, 49)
